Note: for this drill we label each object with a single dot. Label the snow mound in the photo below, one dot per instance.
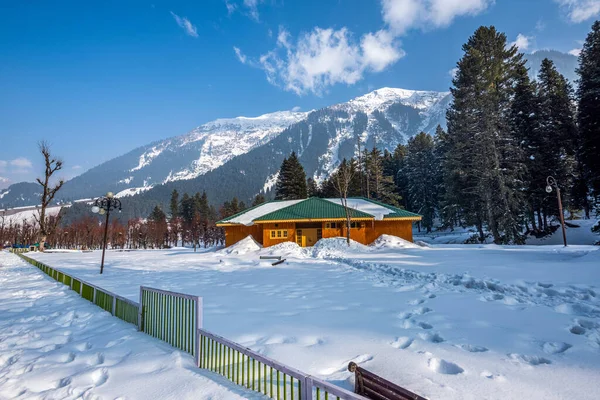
(244, 246)
(393, 242)
(337, 247)
(287, 249)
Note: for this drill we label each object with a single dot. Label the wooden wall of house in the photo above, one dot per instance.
(402, 229)
(234, 234)
(289, 226)
(357, 234)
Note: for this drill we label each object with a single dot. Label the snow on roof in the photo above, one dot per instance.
(247, 217)
(377, 211)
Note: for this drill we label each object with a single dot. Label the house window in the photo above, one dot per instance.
(355, 225)
(279, 234)
(330, 225)
(319, 234)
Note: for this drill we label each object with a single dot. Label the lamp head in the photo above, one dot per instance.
(102, 212)
(110, 195)
(95, 209)
(548, 189)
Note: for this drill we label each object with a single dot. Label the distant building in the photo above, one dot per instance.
(306, 221)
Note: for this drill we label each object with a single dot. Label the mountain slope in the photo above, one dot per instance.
(383, 118)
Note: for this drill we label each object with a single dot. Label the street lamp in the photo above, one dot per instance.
(550, 181)
(104, 205)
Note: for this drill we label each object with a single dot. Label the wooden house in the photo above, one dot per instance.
(308, 220)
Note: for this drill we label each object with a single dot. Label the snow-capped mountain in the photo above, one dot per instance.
(382, 118)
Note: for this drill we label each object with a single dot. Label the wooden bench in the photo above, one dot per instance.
(270, 257)
(374, 387)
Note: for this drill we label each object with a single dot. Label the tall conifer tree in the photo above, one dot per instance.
(588, 96)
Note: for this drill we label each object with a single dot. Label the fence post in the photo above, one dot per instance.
(114, 306)
(141, 311)
(198, 326)
(307, 390)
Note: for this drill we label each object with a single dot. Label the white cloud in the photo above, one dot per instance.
(252, 6)
(580, 10)
(522, 42)
(21, 163)
(322, 58)
(540, 26)
(3, 165)
(403, 15)
(4, 182)
(575, 52)
(185, 24)
(325, 57)
(296, 108)
(380, 50)
(76, 167)
(240, 55)
(453, 72)
(231, 7)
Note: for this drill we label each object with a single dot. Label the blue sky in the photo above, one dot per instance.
(97, 79)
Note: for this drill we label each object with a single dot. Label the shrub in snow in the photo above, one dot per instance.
(287, 249)
(337, 247)
(392, 242)
(244, 246)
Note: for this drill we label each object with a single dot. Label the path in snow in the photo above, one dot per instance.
(55, 345)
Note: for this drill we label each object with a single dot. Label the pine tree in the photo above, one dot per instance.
(174, 206)
(525, 125)
(558, 133)
(312, 188)
(291, 182)
(588, 96)
(258, 200)
(483, 154)
(422, 173)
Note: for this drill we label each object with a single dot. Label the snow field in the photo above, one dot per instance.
(55, 345)
(448, 322)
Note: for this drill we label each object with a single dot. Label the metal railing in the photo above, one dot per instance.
(172, 317)
(261, 374)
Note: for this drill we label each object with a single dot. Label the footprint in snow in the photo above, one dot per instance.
(431, 337)
(555, 347)
(402, 342)
(530, 360)
(442, 366)
(473, 349)
(490, 375)
(422, 310)
(416, 302)
(99, 376)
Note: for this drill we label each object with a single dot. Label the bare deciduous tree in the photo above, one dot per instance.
(342, 180)
(48, 225)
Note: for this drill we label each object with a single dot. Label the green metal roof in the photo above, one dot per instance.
(312, 208)
(318, 208)
(398, 212)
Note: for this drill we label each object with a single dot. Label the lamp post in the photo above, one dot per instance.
(550, 181)
(104, 205)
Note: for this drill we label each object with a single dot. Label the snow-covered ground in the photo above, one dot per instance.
(55, 345)
(446, 321)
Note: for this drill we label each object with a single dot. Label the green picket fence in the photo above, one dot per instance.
(118, 306)
(172, 317)
(18, 251)
(261, 374)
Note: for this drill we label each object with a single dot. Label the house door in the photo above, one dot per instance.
(311, 236)
(300, 240)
